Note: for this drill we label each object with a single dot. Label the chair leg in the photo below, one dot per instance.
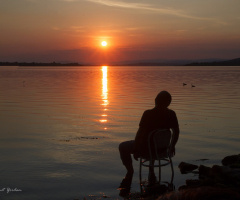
(171, 169)
(140, 174)
(159, 170)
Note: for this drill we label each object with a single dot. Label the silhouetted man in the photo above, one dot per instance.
(158, 117)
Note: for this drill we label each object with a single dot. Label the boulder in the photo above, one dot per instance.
(232, 161)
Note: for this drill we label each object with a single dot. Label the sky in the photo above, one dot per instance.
(72, 30)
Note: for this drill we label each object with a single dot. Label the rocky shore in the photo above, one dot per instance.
(219, 182)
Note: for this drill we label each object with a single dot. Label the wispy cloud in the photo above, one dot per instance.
(148, 7)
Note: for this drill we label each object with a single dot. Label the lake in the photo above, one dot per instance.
(60, 127)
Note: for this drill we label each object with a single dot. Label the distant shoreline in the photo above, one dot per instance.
(33, 64)
(233, 62)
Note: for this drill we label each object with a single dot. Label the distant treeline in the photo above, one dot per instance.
(37, 64)
(234, 62)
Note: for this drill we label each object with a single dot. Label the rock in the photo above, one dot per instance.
(183, 187)
(186, 167)
(193, 183)
(157, 189)
(202, 193)
(227, 175)
(220, 175)
(215, 183)
(197, 183)
(204, 171)
(232, 161)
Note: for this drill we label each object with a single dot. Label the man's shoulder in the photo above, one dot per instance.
(149, 111)
(154, 110)
(171, 111)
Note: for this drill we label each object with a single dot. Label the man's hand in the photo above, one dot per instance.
(173, 151)
(136, 156)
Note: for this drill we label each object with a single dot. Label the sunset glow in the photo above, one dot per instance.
(145, 30)
(87, 85)
(104, 43)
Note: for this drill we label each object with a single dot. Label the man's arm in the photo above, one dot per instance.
(139, 139)
(175, 126)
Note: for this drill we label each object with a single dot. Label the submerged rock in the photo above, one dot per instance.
(203, 159)
(186, 167)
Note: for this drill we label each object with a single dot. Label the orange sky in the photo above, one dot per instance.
(72, 30)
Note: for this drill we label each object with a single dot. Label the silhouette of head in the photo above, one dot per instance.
(163, 99)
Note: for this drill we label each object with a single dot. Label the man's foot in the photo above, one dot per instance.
(127, 180)
(126, 183)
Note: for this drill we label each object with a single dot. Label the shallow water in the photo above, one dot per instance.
(60, 127)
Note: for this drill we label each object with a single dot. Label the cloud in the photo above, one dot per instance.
(148, 7)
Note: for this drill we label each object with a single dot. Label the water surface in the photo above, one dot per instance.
(60, 127)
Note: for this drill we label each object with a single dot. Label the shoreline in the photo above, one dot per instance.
(219, 182)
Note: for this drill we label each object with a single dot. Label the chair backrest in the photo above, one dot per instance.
(160, 142)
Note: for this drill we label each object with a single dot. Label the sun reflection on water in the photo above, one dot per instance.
(104, 94)
(104, 85)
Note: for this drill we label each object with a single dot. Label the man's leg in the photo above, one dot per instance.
(151, 175)
(126, 149)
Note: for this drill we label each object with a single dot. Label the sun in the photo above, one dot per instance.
(104, 43)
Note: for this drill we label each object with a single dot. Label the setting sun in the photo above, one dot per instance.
(104, 43)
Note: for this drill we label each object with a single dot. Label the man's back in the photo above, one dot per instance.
(155, 118)
(159, 118)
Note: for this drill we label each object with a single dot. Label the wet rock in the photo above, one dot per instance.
(232, 161)
(203, 193)
(183, 187)
(204, 171)
(190, 183)
(214, 183)
(186, 167)
(157, 189)
(220, 175)
(193, 183)
(227, 175)
(197, 183)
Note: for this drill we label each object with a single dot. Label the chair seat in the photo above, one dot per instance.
(160, 156)
(147, 162)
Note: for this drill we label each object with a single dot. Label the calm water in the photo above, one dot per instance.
(60, 127)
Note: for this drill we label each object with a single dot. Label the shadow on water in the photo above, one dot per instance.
(149, 189)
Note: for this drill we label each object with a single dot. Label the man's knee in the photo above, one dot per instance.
(121, 146)
(126, 146)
